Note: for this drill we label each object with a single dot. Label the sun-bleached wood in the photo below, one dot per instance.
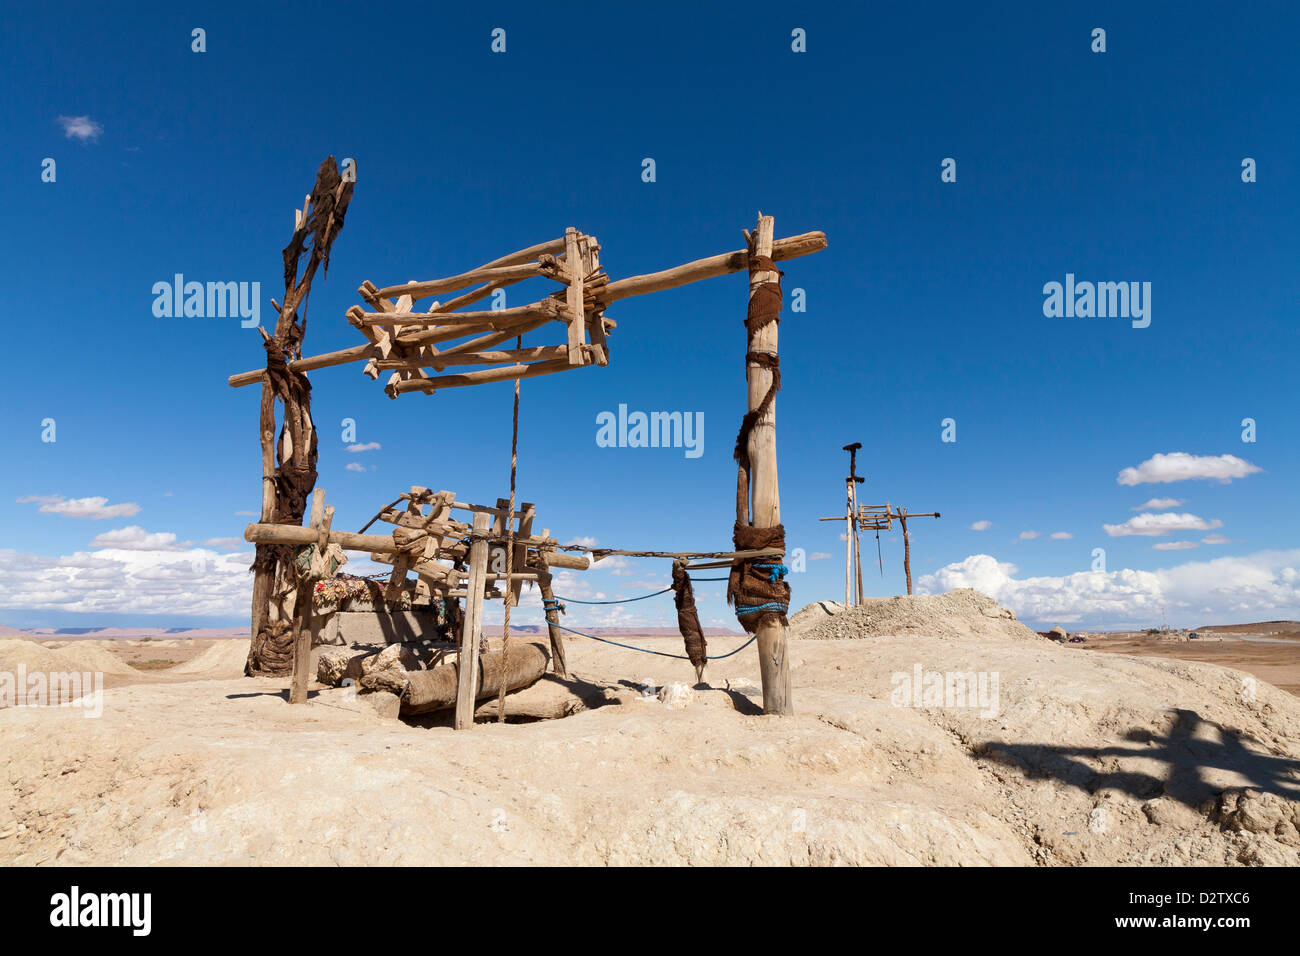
(765, 493)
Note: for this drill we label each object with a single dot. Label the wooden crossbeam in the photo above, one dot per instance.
(588, 292)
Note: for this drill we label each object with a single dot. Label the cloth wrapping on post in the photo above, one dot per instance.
(754, 589)
(688, 620)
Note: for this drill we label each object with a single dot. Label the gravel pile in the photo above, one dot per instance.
(961, 613)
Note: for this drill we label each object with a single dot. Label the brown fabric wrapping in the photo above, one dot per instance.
(750, 586)
(747, 585)
(688, 619)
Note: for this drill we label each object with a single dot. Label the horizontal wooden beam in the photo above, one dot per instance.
(492, 318)
(790, 248)
(504, 374)
(308, 364)
(502, 274)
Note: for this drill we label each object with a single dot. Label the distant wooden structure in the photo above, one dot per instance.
(881, 518)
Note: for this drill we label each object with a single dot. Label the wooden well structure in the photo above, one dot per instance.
(425, 346)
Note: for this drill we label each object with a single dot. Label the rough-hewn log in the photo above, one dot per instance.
(790, 248)
(460, 688)
(765, 496)
(438, 688)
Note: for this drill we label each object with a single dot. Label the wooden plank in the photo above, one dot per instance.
(467, 678)
(573, 298)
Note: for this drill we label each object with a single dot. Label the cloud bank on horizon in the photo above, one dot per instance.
(1260, 586)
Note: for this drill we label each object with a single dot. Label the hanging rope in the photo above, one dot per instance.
(510, 544)
(623, 601)
(646, 650)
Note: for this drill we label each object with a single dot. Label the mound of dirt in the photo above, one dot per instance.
(223, 659)
(960, 613)
(70, 657)
(815, 613)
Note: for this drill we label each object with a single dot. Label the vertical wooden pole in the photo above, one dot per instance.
(765, 491)
(857, 544)
(467, 688)
(303, 607)
(573, 261)
(907, 550)
(848, 543)
(558, 662)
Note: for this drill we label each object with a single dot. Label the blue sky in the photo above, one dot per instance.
(928, 304)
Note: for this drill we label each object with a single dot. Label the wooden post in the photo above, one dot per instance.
(558, 662)
(857, 544)
(907, 549)
(765, 495)
(304, 602)
(467, 688)
(848, 542)
(573, 297)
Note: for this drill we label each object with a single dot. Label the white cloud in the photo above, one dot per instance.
(128, 581)
(1215, 539)
(1061, 535)
(1260, 586)
(135, 538)
(1029, 535)
(354, 466)
(246, 514)
(96, 509)
(1174, 545)
(585, 541)
(1160, 504)
(1158, 525)
(82, 128)
(368, 446)
(818, 556)
(981, 525)
(1180, 466)
(226, 544)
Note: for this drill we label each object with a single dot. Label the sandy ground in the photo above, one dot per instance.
(1084, 758)
(1277, 662)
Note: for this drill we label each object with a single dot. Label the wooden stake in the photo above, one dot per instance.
(467, 689)
(907, 550)
(848, 542)
(765, 496)
(558, 662)
(303, 613)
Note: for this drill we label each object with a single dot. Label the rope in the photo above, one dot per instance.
(759, 608)
(510, 546)
(778, 571)
(646, 650)
(624, 601)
